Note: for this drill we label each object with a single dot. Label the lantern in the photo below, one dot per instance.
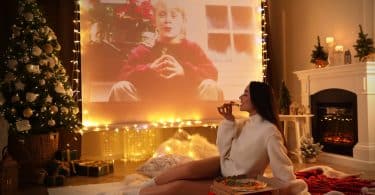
(8, 174)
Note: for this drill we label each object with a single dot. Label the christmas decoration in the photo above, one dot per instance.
(309, 149)
(364, 46)
(35, 95)
(319, 56)
(284, 99)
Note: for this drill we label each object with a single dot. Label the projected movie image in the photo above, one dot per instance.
(146, 60)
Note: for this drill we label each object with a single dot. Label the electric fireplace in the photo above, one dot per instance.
(335, 122)
(342, 99)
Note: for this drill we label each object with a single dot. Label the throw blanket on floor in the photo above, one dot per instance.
(320, 179)
(323, 179)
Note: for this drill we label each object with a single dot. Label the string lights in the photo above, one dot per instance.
(76, 53)
(265, 58)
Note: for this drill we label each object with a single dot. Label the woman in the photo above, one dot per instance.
(171, 69)
(245, 147)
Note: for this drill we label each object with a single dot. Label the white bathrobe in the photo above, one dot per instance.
(248, 146)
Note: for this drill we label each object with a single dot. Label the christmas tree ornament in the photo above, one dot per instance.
(19, 85)
(59, 88)
(51, 122)
(48, 99)
(31, 97)
(54, 109)
(64, 110)
(36, 51)
(28, 112)
(48, 48)
(43, 62)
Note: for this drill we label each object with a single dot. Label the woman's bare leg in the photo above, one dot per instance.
(196, 170)
(180, 187)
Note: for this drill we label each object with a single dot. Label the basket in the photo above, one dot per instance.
(34, 150)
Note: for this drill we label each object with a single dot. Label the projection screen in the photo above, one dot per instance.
(145, 61)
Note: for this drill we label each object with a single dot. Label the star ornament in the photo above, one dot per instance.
(49, 99)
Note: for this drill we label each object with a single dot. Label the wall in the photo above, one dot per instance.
(295, 24)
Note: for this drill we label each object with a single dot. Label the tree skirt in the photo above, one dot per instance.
(323, 179)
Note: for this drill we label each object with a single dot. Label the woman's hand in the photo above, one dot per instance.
(226, 111)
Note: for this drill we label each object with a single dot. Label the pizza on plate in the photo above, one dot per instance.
(241, 184)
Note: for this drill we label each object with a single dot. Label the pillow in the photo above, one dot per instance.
(180, 148)
(195, 146)
(156, 165)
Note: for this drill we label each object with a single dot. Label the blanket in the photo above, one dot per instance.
(324, 179)
(320, 180)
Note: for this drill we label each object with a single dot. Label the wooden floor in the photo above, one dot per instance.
(125, 168)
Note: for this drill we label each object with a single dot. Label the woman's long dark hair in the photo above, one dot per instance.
(262, 98)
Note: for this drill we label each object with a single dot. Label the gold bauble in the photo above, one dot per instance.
(28, 112)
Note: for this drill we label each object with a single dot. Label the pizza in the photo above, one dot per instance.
(240, 183)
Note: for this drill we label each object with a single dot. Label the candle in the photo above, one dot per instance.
(330, 41)
(339, 48)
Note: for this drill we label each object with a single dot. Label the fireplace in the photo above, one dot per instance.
(346, 92)
(335, 122)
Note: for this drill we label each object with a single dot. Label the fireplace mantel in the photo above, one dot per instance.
(359, 79)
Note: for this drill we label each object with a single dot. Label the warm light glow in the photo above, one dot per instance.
(339, 48)
(330, 41)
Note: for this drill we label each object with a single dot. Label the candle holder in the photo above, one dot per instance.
(330, 41)
(339, 55)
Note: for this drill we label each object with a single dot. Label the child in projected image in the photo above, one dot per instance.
(246, 148)
(172, 69)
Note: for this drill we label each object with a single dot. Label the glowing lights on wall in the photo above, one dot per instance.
(75, 82)
(265, 58)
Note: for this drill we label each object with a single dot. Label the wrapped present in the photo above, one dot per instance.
(93, 168)
(56, 167)
(67, 155)
(55, 180)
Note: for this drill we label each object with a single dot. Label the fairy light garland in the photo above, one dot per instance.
(76, 53)
(265, 58)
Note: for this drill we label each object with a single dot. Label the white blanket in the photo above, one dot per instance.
(130, 183)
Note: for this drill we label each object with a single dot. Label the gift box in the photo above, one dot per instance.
(67, 155)
(93, 168)
(56, 167)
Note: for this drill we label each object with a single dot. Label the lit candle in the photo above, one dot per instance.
(330, 41)
(339, 48)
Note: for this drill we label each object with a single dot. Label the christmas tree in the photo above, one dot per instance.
(35, 95)
(284, 99)
(364, 46)
(319, 56)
